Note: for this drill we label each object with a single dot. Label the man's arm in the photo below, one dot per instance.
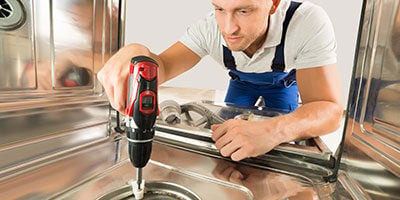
(320, 113)
(114, 75)
(178, 59)
(322, 107)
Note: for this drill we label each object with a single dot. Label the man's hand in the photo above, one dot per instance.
(241, 139)
(114, 75)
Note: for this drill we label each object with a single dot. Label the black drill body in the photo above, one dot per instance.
(142, 109)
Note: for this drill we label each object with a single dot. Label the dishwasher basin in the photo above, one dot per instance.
(153, 190)
(169, 171)
(104, 170)
(189, 175)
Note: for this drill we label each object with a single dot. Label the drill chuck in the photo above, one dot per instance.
(140, 145)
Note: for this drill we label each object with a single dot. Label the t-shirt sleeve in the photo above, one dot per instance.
(197, 36)
(318, 48)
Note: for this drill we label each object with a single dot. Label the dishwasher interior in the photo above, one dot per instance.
(60, 139)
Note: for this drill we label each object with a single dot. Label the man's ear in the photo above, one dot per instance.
(274, 6)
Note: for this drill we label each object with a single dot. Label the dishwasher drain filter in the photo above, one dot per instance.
(12, 14)
(154, 191)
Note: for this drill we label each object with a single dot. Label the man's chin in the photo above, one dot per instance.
(235, 47)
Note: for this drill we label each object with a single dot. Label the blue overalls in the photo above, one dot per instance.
(278, 88)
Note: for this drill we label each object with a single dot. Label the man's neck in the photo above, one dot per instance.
(252, 49)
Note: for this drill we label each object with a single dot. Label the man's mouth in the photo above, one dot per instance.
(233, 39)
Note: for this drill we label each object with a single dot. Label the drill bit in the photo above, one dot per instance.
(138, 185)
(139, 177)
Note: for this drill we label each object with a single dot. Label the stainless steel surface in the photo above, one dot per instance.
(39, 115)
(16, 159)
(12, 15)
(68, 177)
(371, 157)
(16, 45)
(59, 172)
(154, 190)
(55, 37)
(374, 179)
(22, 124)
(352, 188)
(42, 120)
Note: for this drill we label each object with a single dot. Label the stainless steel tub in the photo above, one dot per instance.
(94, 171)
(154, 190)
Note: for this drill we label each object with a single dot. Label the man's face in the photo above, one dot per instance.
(243, 23)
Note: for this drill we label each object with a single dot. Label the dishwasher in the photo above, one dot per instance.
(61, 139)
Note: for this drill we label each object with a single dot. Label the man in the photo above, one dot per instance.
(244, 35)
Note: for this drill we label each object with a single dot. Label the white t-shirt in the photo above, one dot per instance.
(310, 40)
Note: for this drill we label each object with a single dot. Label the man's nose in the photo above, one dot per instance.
(231, 25)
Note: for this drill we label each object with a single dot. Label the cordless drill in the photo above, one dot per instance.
(141, 113)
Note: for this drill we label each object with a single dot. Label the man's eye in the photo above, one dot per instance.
(244, 12)
(219, 9)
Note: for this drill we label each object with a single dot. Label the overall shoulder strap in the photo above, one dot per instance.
(229, 60)
(278, 64)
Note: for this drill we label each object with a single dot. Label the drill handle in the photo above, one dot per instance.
(142, 101)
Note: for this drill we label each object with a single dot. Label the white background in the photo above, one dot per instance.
(160, 23)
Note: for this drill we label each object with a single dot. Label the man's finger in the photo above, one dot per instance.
(219, 132)
(120, 95)
(110, 95)
(215, 126)
(239, 154)
(230, 148)
(224, 140)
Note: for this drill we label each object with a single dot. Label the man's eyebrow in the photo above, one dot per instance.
(244, 7)
(215, 5)
(238, 8)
